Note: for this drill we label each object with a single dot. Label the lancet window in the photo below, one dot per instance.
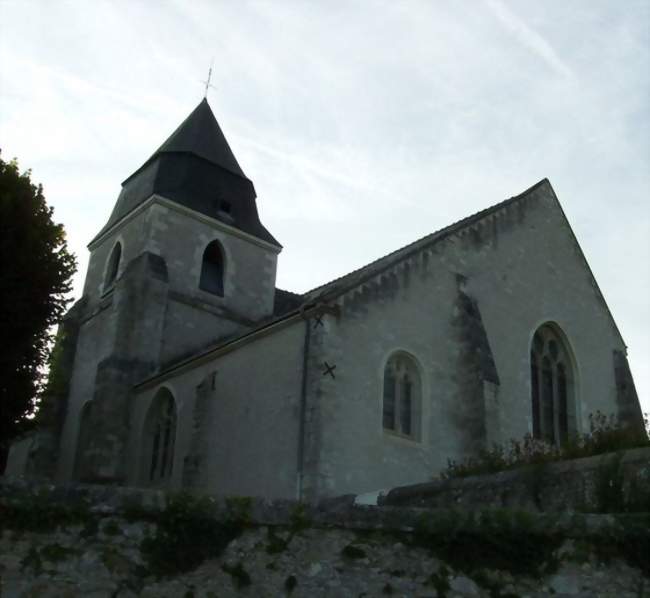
(159, 438)
(552, 387)
(212, 269)
(113, 266)
(401, 396)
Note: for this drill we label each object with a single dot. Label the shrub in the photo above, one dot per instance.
(187, 533)
(605, 435)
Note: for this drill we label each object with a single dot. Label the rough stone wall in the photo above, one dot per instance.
(337, 550)
(94, 345)
(110, 565)
(476, 375)
(196, 318)
(127, 331)
(579, 484)
(522, 268)
(247, 436)
(629, 409)
(139, 301)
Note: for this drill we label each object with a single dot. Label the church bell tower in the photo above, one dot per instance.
(182, 263)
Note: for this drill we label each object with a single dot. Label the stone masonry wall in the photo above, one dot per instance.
(97, 542)
(565, 485)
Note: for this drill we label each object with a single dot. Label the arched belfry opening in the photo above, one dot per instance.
(158, 438)
(212, 269)
(113, 265)
(553, 388)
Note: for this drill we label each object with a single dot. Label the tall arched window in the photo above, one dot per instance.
(158, 438)
(113, 266)
(212, 269)
(552, 387)
(402, 396)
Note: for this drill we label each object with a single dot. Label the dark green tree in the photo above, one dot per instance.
(35, 277)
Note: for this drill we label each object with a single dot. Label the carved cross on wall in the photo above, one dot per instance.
(329, 369)
(318, 321)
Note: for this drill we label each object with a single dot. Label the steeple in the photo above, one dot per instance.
(195, 168)
(201, 135)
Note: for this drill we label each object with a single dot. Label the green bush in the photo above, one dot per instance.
(605, 435)
(187, 533)
(491, 539)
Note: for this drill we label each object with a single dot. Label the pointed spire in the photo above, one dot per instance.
(196, 168)
(201, 135)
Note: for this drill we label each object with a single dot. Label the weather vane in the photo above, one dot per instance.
(207, 83)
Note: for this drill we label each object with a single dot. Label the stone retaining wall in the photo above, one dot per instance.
(578, 485)
(91, 541)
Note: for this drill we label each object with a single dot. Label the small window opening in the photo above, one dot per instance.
(212, 269)
(113, 265)
(225, 206)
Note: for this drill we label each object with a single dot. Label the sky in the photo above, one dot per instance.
(364, 125)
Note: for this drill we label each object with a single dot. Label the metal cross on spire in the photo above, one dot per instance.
(207, 83)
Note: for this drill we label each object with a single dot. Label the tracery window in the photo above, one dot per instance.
(212, 269)
(401, 396)
(159, 438)
(113, 266)
(552, 387)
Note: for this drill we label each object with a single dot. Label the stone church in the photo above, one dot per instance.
(188, 368)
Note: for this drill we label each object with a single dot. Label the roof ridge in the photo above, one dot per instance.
(436, 235)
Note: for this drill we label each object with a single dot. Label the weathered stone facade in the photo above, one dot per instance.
(284, 395)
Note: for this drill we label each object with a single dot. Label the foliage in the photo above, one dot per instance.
(187, 533)
(298, 518)
(111, 528)
(440, 581)
(491, 539)
(55, 552)
(38, 513)
(629, 538)
(32, 560)
(605, 435)
(290, 583)
(275, 543)
(239, 575)
(353, 552)
(35, 272)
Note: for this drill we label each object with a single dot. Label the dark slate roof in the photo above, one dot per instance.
(285, 301)
(201, 135)
(340, 285)
(195, 168)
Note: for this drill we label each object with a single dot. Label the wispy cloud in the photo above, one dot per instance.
(529, 37)
(360, 134)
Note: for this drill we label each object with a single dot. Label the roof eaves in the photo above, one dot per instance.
(348, 281)
(208, 352)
